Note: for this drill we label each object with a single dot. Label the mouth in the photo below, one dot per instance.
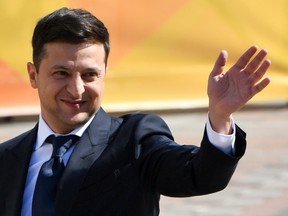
(75, 104)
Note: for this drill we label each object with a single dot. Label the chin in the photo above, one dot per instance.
(80, 119)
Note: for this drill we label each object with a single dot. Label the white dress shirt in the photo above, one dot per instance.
(42, 153)
(223, 142)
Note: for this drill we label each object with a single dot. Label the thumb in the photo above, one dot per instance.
(220, 63)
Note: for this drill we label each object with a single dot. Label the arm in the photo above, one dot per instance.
(180, 170)
(230, 91)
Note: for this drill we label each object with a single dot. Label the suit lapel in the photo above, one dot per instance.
(86, 152)
(18, 158)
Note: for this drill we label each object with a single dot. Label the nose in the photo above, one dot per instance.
(76, 86)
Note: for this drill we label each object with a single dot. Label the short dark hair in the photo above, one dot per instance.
(68, 25)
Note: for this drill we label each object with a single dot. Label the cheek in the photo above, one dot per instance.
(96, 91)
(51, 90)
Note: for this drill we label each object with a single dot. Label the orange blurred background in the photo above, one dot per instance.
(162, 51)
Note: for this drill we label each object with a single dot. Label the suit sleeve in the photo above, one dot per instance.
(182, 170)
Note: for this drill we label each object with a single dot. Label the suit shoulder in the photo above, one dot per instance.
(141, 124)
(138, 117)
(143, 120)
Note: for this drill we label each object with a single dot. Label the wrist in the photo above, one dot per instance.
(221, 123)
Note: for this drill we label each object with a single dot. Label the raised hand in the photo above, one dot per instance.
(231, 90)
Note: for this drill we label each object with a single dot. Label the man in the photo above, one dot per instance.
(118, 166)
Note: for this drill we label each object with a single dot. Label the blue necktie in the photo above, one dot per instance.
(49, 175)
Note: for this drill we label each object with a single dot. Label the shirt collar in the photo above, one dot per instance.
(44, 131)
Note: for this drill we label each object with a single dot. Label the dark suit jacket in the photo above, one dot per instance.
(120, 167)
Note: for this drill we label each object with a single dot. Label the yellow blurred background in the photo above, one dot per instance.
(162, 51)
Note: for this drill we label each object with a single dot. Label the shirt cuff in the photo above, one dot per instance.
(225, 143)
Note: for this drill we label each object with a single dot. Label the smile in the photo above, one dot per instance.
(73, 104)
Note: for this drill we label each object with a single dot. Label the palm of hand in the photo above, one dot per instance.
(230, 91)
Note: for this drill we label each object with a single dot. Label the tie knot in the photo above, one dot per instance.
(61, 143)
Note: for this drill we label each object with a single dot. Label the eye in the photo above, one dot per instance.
(91, 75)
(60, 74)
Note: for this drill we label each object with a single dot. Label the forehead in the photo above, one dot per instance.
(73, 56)
(71, 50)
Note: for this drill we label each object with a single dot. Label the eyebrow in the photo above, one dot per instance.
(60, 67)
(97, 69)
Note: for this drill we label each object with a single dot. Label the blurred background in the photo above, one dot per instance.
(162, 51)
(161, 55)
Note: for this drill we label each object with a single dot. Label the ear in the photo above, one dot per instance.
(32, 72)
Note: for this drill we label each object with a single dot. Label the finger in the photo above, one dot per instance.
(245, 58)
(260, 86)
(255, 77)
(255, 63)
(220, 63)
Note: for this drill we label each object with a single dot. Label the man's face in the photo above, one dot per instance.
(70, 83)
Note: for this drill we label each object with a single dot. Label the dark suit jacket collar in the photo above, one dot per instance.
(86, 152)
